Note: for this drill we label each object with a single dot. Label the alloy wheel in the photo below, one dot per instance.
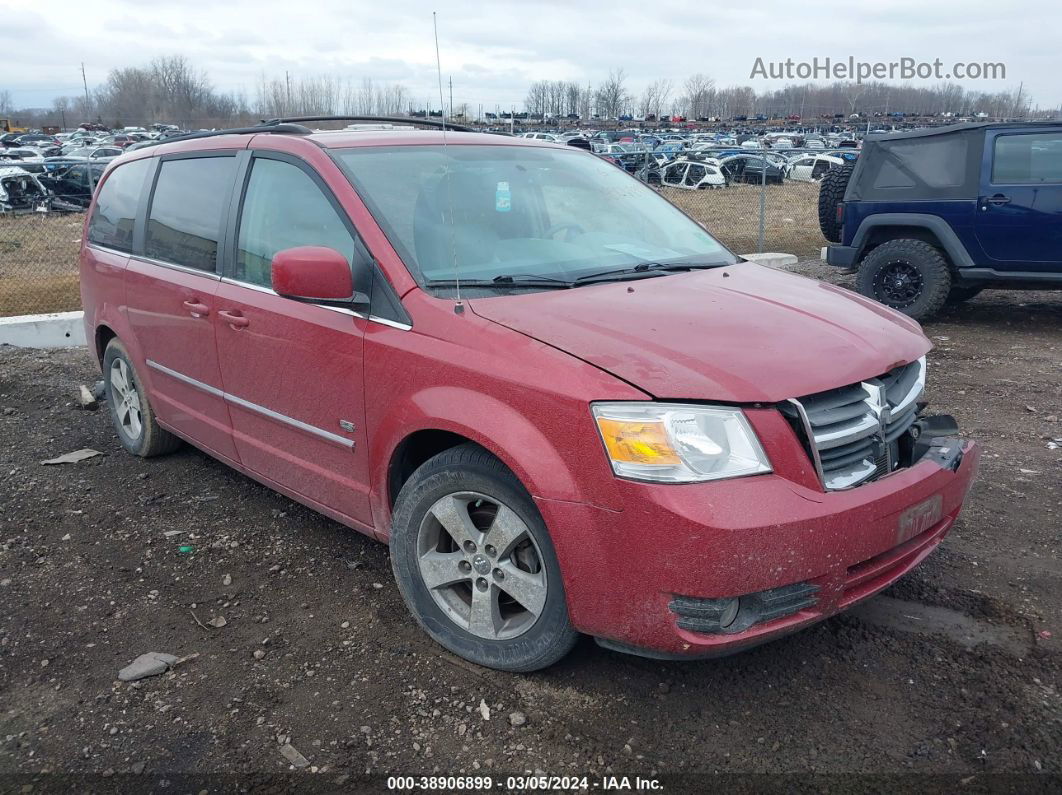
(126, 399)
(899, 283)
(481, 565)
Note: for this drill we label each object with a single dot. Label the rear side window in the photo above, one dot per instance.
(284, 208)
(1035, 157)
(111, 224)
(184, 223)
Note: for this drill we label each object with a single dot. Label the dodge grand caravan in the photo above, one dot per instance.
(565, 406)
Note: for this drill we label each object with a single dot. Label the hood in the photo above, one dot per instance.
(743, 333)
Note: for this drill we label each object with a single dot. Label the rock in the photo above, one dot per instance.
(9, 412)
(86, 398)
(484, 710)
(151, 664)
(345, 625)
(517, 719)
(217, 622)
(259, 654)
(137, 767)
(226, 580)
(289, 752)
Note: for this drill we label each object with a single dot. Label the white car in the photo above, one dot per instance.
(692, 175)
(811, 168)
(22, 154)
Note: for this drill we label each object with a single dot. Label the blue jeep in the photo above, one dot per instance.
(935, 216)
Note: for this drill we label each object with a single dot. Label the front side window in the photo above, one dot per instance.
(111, 224)
(184, 223)
(1030, 158)
(497, 210)
(284, 208)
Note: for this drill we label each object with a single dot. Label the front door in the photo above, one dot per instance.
(293, 370)
(1019, 210)
(170, 295)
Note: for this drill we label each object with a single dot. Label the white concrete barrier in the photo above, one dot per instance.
(771, 259)
(56, 330)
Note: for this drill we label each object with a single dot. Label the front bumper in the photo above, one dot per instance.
(624, 570)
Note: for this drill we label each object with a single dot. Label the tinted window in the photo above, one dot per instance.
(1028, 158)
(284, 208)
(112, 219)
(186, 212)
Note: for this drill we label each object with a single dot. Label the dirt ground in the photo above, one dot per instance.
(953, 672)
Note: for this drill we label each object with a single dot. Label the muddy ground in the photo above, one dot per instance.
(953, 671)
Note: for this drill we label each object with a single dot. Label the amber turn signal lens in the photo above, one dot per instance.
(637, 442)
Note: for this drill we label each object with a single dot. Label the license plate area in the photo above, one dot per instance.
(919, 518)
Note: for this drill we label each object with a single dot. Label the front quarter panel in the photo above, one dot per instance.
(524, 401)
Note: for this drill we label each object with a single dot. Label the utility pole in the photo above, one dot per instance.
(287, 83)
(84, 82)
(1017, 99)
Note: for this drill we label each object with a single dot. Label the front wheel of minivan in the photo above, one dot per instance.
(475, 564)
(131, 412)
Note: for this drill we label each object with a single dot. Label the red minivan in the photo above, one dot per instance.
(564, 405)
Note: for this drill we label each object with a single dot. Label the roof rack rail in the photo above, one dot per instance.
(267, 127)
(445, 125)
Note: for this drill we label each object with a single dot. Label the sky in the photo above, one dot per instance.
(493, 50)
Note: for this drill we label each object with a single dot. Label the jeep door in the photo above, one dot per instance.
(293, 369)
(1019, 211)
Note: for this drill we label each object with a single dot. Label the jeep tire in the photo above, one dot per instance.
(831, 192)
(911, 276)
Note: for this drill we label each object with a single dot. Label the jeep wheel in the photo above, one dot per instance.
(475, 564)
(831, 192)
(911, 276)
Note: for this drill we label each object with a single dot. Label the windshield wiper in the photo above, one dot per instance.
(505, 282)
(645, 269)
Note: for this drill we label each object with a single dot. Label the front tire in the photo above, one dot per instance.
(475, 564)
(911, 276)
(131, 412)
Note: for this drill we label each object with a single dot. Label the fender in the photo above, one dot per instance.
(517, 441)
(934, 223)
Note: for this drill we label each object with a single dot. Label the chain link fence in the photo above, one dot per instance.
(753, 202)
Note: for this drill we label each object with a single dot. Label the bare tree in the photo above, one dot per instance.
(612, 96)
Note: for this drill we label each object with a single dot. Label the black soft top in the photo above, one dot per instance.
(933, 163)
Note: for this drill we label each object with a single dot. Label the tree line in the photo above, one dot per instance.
(171, 89)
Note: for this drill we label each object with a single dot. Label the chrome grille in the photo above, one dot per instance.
(853, 429)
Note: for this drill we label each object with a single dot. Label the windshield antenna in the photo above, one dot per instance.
(459, 308)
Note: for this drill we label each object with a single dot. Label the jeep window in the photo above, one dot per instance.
(284, 208)
(1030, 157)
(111, 224)
(500, 210)
(184, 222)
(938, 162)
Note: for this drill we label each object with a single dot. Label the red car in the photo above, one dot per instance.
(566, 406)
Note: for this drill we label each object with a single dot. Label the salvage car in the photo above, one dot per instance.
(811, 168)
(690, 174)
(21, 192)
(72, 186)
(566, 406)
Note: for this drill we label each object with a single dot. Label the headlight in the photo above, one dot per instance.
(677, 443)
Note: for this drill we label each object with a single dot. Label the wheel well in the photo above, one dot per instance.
(413, 451)
(103, 336)
(883, 234)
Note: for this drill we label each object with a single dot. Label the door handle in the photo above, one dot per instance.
(998, 200)
(234, 319)
(197, 309)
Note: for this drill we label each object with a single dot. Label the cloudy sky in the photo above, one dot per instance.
(494, 49)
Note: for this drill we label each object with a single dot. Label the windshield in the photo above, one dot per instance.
(519, 210)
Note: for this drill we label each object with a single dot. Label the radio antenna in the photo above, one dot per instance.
(459, 308)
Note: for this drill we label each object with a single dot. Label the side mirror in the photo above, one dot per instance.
(313, 274)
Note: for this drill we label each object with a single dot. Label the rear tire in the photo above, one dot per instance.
(910, 276)
(831, 193)
(131, 412)
(475, 564)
